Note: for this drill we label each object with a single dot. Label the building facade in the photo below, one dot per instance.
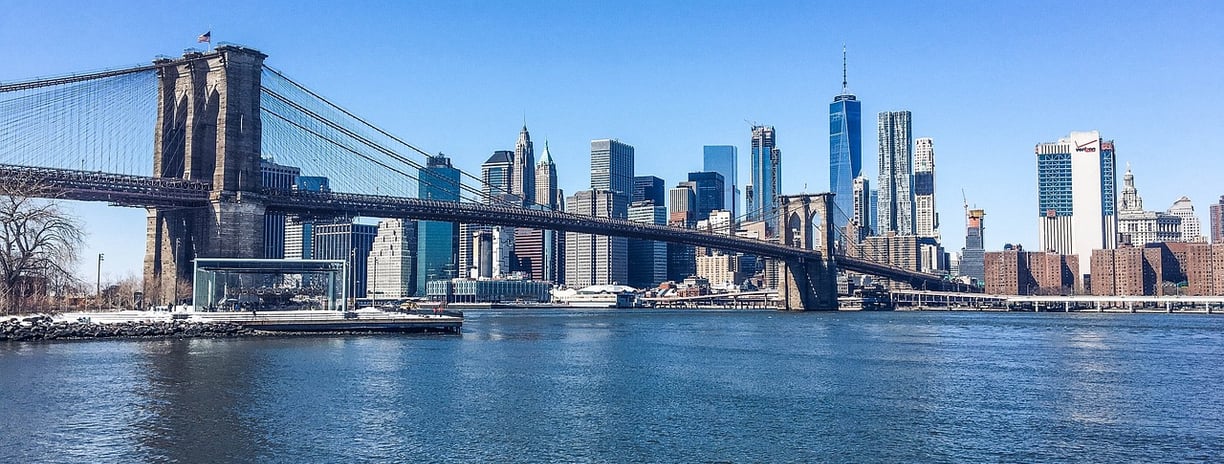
(391, 262)
(282, 177)
(1217, 221)
(647, 258)
(724, 160)
(648, 188)
(351, 243)
(522, 180)
(845, 148)
(766, 181)
(1076, 195)
(972, 257)
(860, 226)
(612, 170)
(1191, 229)
(708, 190)
(437, 241)
(596, 259)
(895, 210)
(926, 217)
(1138, 227)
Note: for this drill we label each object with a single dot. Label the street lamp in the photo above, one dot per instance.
(177, 242)
(101, 256)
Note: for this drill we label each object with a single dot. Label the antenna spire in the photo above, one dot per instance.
(845, 88)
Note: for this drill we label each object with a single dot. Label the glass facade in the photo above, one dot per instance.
(709, 193)
(766, 176)
(845, 153)
(1054, 184)
(437, 241)
(648, 188)
(724, 160)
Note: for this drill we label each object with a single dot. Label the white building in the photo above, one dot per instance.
(391, 263)
(1191, 228)
(596, 259)
(1138, 227)
(1076, 196)
(926, 219)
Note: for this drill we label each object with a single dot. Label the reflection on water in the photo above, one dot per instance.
(552, 385)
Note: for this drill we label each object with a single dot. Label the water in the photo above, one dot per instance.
(640, 386)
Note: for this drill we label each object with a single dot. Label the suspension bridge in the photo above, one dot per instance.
(216, 114)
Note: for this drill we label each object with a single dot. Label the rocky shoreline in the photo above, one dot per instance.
(45, 328)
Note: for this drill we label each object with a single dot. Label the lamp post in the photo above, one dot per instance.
(98, 294)
(174, 304)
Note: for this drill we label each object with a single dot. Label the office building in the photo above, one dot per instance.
(972, 255)
(926, 217)
(522, 179)
(895, 210)
(281, 177)
(724, 160)
(437, 241)
(546, 182)
(647, 258)
(391, 261)
(299, 231)
(1076, 189)
(1191, 229)
(761, 201)
(862, 207)
(1217, 221)
(612, 170)
(708, 191)
(648, 188)
(681, 258)
(1137, 227)
(351, 243)
(596, 259)
(845, 149)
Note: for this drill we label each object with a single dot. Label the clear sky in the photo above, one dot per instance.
(986, 80)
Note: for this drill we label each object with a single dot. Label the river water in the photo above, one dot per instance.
(638, 386)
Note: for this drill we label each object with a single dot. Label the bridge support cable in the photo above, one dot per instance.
(290, 93)
(98, 122)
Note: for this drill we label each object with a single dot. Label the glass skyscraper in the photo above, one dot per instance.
(436, 241)
(845, 149)
(724, 160)
(709, 192)
(1076, 195)
(762, 204)
(896, 207)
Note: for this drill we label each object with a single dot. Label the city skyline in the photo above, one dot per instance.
(986, 112)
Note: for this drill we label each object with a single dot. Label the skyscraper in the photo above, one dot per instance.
(681, 258)
(1191, 229)
(762, 203)
(392, 270)
(724, 160)
(497, 174)
(351, 243)
(926, 218)
(546, 181)
(647, 258)
(523, 183)
(595, 259)
(845, 148)
(862, 216)
(437, 241)
(973, 256)
(648, 188)
(709, 192)
(1217, 221)
(279, 177)
(612, 169)
(1076, 185)
(896, 207)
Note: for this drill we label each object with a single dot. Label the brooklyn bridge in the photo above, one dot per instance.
(215, 114)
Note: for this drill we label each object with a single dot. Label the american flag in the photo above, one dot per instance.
(205, 37)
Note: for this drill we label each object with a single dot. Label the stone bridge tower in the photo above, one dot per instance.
(208, 128)
(808, 283)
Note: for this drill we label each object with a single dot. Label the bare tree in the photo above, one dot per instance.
(39, 244)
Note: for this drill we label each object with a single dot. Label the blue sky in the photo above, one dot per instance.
(986, 80)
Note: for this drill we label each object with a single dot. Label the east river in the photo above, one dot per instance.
(638, 386)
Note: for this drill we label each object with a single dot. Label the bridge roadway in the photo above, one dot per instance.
(144, 191)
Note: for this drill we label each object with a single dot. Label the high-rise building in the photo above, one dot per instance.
(724, 160)
(391, 264)
(1138, 227)
(845, 148)
(437, 241)
(896, 207)
(1076, 188)
(862, 208)
(972, 256)
(1191, 229)
(647, 258)
(709, 192)
(612, 169)
(546, 182)
(762, 201)
(522, 182)
(926, 218)
(497, 174)
(874, 217)
(282, 177)
(1217, 221)
(596, 259)
(681, 258)
(648, 188)
(349, 242)
(299, 232)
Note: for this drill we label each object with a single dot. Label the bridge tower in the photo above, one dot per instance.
(806, 221)
(208, 128)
